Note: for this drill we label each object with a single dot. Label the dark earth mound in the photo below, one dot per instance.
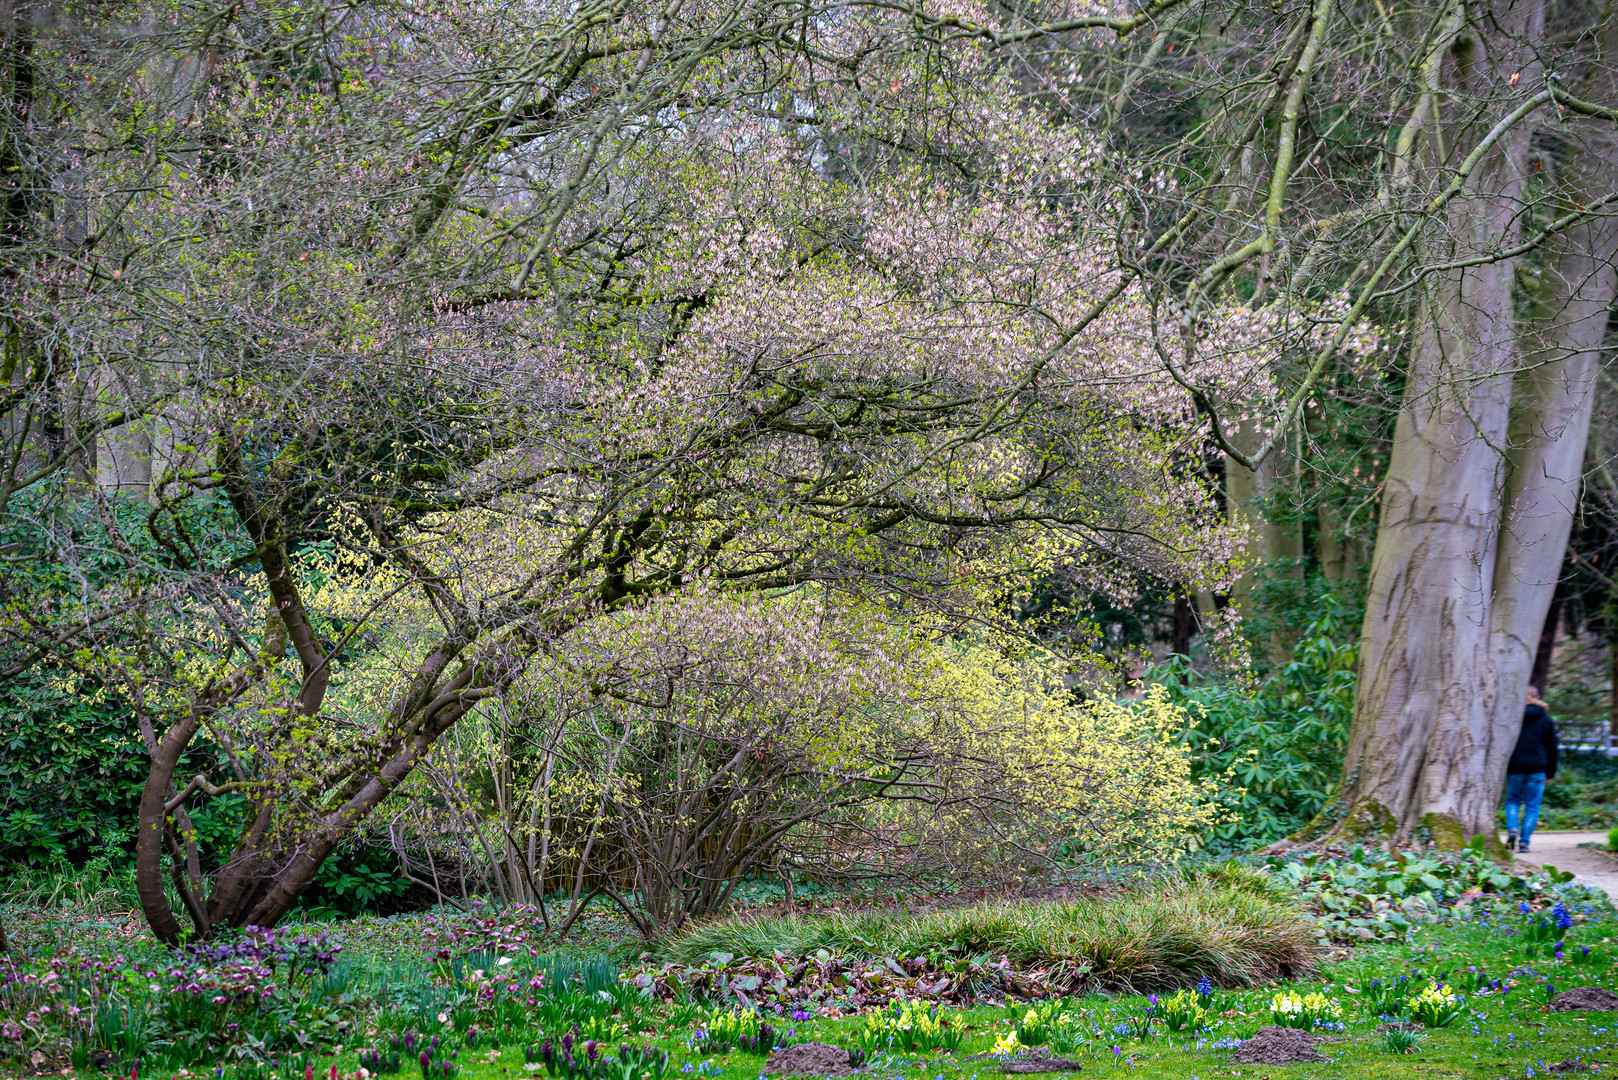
(808, 1059)
(1278, 1046)
(1585, 999)
(1040, 1062)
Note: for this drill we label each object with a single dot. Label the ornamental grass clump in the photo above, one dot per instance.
(1168, 935)
(1304, 1011)
(1437, 1005)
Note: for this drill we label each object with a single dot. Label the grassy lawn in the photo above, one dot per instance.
(1487, 951)
(1498, 1035)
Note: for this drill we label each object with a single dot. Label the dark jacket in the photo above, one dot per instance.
(1536, 746)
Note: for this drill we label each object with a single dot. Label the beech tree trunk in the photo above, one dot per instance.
(1481, 491)
(1253, 496)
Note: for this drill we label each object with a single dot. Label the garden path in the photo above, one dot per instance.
(1562, 850)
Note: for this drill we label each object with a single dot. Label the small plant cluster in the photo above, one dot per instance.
(1294, 1010)
(388, 1059)
(1403, 1041)
(515, 931)
(1035, 1025)
(1185, 1013)
(437, 1059)
(1544, 930)
(723, 1030)
(1387, 997)
(297, 953)
(1437, 1005)
(642, 1062)
(916, 1027)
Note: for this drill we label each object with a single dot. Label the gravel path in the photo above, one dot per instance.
(1561, 850)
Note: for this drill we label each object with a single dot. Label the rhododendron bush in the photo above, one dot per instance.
(662, 422)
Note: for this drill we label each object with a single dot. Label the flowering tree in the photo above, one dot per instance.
(440, 345)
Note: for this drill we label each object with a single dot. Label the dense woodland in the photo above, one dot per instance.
(610, 452)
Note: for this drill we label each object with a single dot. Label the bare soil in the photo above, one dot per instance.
(1278, 1046)
(1585, 999)
(808, 1059)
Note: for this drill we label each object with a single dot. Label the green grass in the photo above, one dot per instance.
(1228, 925)
(1498, 1037)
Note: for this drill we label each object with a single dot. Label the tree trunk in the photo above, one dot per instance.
(1183, 626)
(1259, 498)
(1481, 493)
(1540, 675)
(1419, 751)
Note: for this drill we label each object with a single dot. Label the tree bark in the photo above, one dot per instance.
(1183, 626)
(1254, 497)
(1482, 488)
(1420, 752)
(1547, 644)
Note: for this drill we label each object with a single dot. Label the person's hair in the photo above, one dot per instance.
(1533, 691)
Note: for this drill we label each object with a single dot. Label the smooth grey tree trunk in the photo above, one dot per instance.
(1555, 398)
(1428, 695)
(1482, 489)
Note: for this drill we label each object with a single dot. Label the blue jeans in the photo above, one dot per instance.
(1524, 790)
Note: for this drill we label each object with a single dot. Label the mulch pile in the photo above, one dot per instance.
(808, 1059)
(1278, 1046)
(1585, 999)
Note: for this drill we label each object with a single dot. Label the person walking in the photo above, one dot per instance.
(1532, 763)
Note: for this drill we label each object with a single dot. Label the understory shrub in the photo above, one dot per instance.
(1276, 743)
(1170, 934)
